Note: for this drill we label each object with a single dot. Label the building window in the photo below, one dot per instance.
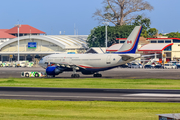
(176, 41)
(167, 41)
(168, 55)
(122, 41)
(169, 48)
(160, 41)
(153, 41)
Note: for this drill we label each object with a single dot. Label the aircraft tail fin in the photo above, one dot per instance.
(130, 45)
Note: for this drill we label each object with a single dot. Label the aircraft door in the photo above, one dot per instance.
(108, 59)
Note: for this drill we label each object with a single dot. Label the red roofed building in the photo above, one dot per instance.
(167, 47)
(4, 30)
(24, 30)
(4, 35)
(8, 34)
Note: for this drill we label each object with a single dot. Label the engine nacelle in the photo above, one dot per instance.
(54, 70)
(86, 72)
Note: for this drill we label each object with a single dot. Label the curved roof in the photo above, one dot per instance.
(70, 41)
(155, 47)
(114, 47)
(63, 41)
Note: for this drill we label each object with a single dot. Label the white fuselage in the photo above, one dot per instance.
(86, 61)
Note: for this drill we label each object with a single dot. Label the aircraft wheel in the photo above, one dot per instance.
(27, 75)
(75, 75)
(97, 75)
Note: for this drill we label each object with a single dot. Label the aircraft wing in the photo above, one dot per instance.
(149, 55)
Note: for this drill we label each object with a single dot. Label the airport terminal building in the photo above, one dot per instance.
(34, 44)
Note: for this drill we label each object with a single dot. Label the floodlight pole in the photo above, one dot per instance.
(106, 24)
(18, 25)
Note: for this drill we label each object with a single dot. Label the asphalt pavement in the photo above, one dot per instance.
(128, 73)
(75, 94)
(69, 94)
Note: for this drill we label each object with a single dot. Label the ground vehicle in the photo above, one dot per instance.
(124, 66)
(21, 64)
(33, 74)
(178, 66)
(148, 66)
(29, 64)
(174, 62)
(158, 66)
(170, 66)
(134, 65)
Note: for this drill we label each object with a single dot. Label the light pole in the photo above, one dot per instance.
(18, 25)
(106, 24)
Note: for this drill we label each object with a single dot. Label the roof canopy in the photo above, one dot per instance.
(163, 38)
(114, 47)
(6, 35)
(63, 41)
(155, 47)
(25, 29)
(96, 50)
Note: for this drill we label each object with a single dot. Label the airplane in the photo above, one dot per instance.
(92, 64)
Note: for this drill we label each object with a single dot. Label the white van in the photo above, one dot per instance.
(170, 66)
(21, 64)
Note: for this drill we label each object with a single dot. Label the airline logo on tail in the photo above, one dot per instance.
(132, 41)
(129, 41)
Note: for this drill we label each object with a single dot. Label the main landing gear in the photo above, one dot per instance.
(50, 76)
(74, 75)
(97, 75)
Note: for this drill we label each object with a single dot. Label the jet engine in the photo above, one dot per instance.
(54, 70)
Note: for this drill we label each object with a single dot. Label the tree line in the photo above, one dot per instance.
(121, 13)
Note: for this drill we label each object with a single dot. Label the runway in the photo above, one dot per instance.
(75, 94)
(113, 73)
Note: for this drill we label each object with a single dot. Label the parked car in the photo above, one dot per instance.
(178, 65)
(170, 66)
(134, 65)
(124, 66)
(174, 62)
(158, 66)
(148, 66)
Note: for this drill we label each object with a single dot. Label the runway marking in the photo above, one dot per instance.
(10, 95)
(154, 95)
(87, 97)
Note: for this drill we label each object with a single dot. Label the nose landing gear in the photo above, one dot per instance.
(74, 75)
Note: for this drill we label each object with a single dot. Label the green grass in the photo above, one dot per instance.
(86, 110)
(92, 83)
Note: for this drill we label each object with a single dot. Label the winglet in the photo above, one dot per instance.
(131, 43)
